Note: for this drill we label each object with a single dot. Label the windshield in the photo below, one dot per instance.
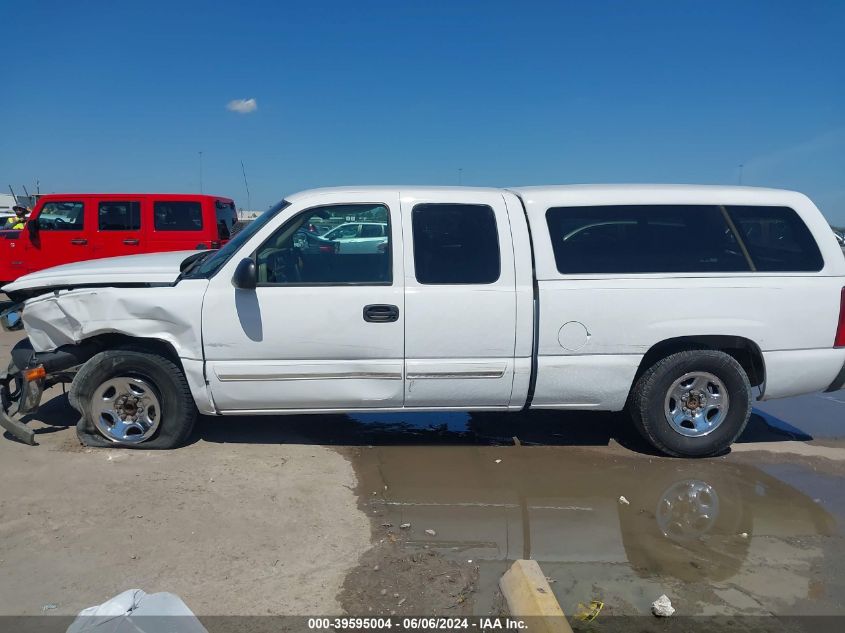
(216, 261)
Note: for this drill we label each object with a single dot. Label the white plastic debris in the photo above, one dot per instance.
(126, 611)
(744, 535)
(624, 501)
(662, 607)
(498, 461)
(431, 532)
(404, 526)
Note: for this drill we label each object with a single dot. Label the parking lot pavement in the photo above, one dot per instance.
(304, 514)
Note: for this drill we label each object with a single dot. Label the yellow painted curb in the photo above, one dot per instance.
(528, 594)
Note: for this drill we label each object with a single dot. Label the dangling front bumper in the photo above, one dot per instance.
(29, 374)
(20, 394)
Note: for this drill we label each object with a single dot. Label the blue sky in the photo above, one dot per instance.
(121, 96)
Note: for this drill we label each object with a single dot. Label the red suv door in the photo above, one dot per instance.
(61, 234)
(120, 227)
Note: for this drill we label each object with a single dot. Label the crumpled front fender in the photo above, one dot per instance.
(168, 313)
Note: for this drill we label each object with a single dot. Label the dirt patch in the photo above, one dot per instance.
(392, 580)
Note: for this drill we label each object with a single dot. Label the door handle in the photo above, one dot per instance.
(132, 241)
(381, 313)
(79, 241)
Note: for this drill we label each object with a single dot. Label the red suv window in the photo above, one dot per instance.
(178, 216)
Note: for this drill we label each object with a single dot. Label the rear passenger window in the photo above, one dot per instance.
(119, 216)
(777, 239)
(455, 244)
(61, 216)
(644, 239)
(178, 216)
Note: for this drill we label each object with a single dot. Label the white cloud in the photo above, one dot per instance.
(242, 106)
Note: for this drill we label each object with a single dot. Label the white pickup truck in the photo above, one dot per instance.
(681, 304)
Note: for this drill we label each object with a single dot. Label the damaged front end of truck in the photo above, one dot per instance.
(30, 373)
(74, 313)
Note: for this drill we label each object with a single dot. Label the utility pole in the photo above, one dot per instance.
(246, 184)
(200, 153)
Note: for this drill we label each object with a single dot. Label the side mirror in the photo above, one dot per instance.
(32, 227)
(245, 276)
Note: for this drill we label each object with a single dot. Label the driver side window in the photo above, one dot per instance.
(61, 216)
(307, 250)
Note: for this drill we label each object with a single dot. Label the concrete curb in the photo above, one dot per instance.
(528, 594)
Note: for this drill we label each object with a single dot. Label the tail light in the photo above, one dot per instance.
(840, 330)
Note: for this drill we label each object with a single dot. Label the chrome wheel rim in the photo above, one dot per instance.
(696, 404)
(687, 510)
(126, 409)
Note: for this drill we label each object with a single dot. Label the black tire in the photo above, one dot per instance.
(178, 410)
(646, 406)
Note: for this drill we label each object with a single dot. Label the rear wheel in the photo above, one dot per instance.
(692, 404)
(134, 399)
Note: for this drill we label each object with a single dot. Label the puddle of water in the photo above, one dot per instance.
(688, 524)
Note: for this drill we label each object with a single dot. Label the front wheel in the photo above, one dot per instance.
(692, 404)
(133, 399)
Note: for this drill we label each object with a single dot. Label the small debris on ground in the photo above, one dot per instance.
(588, 613)
(49, 607)
(744, 535)
(376, 567)
(404, 526)
(662, 607)
(431, 532)
(383, 592)
(624, 501)
(498, 461)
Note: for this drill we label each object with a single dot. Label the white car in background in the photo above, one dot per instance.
(358, 237)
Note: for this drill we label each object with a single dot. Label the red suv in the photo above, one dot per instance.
(66, 228)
